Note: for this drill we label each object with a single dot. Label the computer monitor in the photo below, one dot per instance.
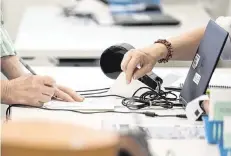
(204, 63)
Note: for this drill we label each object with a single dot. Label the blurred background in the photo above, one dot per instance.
(75, 32)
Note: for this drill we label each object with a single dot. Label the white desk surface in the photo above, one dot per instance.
(80, 78)
(45, 32)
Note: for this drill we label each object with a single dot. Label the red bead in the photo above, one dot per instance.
(169, 47)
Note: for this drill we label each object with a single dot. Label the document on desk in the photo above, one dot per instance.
(88, 104)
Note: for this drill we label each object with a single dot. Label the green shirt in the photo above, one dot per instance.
(7, 47)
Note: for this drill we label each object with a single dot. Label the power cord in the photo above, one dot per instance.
(148, 98)
(147, 113)
(93, 91)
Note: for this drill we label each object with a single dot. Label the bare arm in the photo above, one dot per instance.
(184, 48)
(185, 45)
(11, 67)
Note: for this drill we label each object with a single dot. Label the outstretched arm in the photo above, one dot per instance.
(184, 48)
(185, 45)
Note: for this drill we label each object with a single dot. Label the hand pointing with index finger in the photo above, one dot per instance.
(132, 60)
(138, 62)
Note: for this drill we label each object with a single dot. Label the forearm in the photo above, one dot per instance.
(185, 45)
(11, 67)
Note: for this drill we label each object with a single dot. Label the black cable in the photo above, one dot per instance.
(102, 96)
(149, 98)
(94, 93)
(92, 90)
(147, 113)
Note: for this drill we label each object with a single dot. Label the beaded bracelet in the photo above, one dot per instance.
(170, 50)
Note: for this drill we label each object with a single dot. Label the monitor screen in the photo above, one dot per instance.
(204, 62)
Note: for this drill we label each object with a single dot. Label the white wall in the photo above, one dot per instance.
(216, 8)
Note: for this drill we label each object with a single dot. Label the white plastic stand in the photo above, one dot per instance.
(193, 108)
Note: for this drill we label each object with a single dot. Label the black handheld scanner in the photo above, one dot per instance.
(110, 63)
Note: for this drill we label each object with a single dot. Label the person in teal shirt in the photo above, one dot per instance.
(23, 88)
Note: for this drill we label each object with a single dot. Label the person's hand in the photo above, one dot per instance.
(206, 106)
(67, 94)
(29, 90)
(138, 62)
(36, 90)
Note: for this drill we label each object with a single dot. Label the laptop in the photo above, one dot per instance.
(204, 63)
(145, 19)
(148, 15)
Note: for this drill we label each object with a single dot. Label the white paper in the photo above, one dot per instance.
(120, 87)
(87, 104)
(170, 79)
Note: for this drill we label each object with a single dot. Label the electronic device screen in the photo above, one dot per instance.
(204, 62)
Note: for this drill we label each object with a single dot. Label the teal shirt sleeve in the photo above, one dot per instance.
(7, 47)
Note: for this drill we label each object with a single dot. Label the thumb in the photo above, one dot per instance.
(142, 71)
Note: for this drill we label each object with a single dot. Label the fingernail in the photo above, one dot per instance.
(135, 78)
(128, 81)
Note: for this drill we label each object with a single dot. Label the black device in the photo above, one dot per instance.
(148, 15)
(204, 62)
(148, 18)
(111, 59)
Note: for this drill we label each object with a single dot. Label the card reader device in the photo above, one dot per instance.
(110, 61)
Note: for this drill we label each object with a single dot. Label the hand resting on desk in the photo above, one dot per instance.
(35, 90)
